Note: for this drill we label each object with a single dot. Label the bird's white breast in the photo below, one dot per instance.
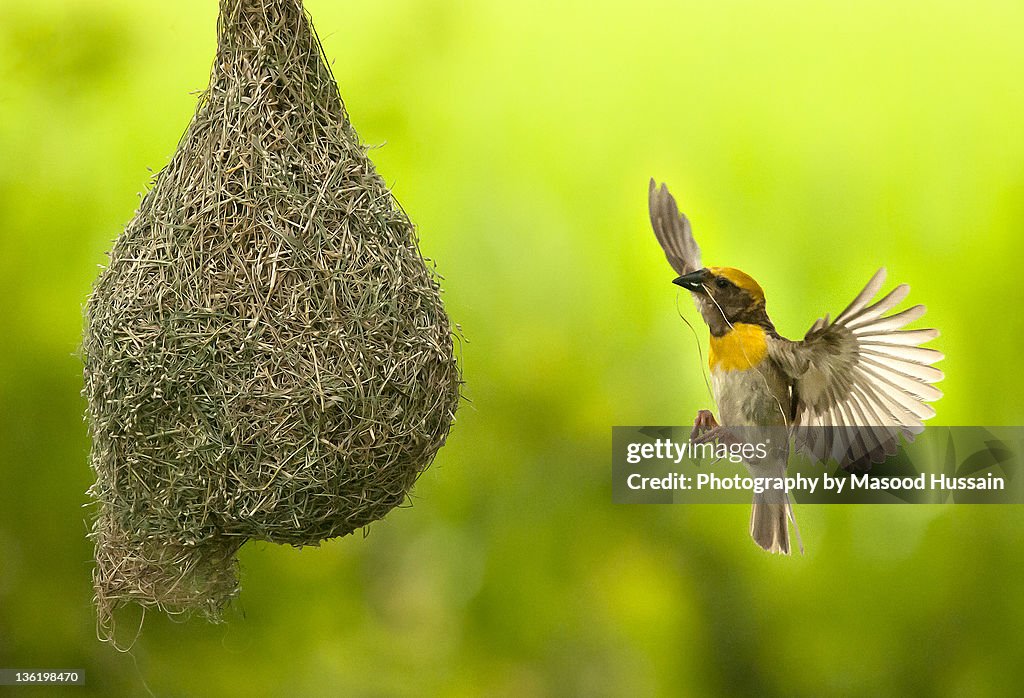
(756, 396)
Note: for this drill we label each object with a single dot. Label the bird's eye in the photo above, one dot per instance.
(722, 283)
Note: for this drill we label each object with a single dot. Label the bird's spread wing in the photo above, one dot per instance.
(673, 231)
(860, 381)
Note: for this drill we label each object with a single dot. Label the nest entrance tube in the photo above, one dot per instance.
(266, 355)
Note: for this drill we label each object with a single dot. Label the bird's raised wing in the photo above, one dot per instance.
(673, 231)
(861, 381)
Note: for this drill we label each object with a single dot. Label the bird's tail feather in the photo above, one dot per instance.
(769, 522)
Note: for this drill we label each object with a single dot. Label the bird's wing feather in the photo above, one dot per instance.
(673, 230)
(861, 381)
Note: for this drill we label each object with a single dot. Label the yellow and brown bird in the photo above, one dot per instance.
(846, 393)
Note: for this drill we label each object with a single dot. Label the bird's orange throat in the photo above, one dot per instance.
(741, 348)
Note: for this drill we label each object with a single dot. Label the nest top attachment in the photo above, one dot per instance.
(267, 354)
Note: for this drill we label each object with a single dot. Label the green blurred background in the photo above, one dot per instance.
(809, 142)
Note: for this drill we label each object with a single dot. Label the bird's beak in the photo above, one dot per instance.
(692, 281)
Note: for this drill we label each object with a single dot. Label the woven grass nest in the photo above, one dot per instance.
(266, 354)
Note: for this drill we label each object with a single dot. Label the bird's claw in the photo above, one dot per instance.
(704, 427)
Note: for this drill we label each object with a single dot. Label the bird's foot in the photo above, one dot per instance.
(704, 427)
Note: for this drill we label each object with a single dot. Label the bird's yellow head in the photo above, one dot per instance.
(726, 296)
(740, 279)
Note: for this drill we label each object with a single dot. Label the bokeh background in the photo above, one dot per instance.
(809, 142)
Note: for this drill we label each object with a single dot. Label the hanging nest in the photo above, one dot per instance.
(266, 355)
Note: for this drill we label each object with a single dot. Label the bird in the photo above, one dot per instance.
(846, 393)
